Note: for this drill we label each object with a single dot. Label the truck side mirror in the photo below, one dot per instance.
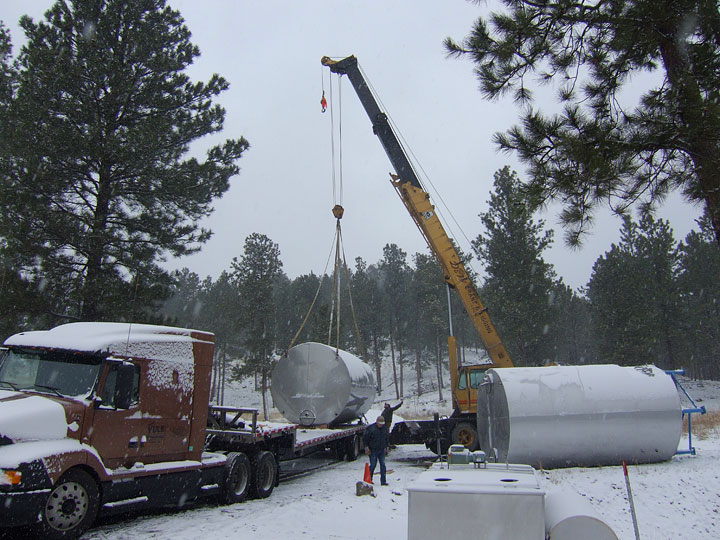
(124, 385)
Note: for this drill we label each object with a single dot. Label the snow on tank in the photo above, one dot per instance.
(315, 384)
(566, 416)
(120, 339)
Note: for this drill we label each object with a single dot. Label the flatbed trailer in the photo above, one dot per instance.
(230, 429)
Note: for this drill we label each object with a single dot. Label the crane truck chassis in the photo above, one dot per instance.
(104, 418)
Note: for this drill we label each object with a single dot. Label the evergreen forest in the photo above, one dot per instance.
(99, 189)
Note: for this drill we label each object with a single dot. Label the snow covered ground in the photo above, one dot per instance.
(679, 499)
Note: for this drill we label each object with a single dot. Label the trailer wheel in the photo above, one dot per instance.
(339, 450)
(465, 434)
(352, 448)
(237, 478)
(70, 508)
(264, 474)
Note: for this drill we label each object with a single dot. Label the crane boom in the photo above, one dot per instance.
(417, 201)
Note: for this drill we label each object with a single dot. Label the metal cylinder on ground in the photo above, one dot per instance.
(566, 416)
(569, 516)
(315, 384)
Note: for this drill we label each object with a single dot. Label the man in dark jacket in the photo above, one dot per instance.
(387, 413)
(376, 445)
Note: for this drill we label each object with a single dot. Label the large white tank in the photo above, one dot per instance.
(566, 416)
(315, 384)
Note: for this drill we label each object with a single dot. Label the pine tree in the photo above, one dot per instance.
(307, 296)
(15, 290)
(366, 301)
(370, 305)
(429, 309)
(221, 309)
(603, 147)
(700, 289)
(7, 82)
(634, 297)
(395, 274)
(572, 331)
(100, 188)
(255, 274)
(184, 306)
(518, 289)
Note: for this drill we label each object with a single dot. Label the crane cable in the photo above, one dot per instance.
(312, 305)
(338, 211)
(337, 178)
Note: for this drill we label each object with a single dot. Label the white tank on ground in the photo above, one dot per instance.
(566, 416)
(569, 516)
(315, 384)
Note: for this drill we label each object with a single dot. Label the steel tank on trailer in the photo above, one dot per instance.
(315, 384)
(566, 416)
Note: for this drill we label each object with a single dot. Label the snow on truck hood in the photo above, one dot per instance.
(31, 418)
(122, 339)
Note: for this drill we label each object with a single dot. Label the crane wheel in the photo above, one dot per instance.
(465, 433)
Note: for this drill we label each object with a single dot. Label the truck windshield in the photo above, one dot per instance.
(51, 372)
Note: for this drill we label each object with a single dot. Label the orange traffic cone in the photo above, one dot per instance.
(368, 476)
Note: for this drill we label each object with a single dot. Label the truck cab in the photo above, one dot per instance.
(94, 407)
(465, 394)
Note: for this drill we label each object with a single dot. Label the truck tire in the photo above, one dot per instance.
(237, 478)
(339, 450)
(70, 508)
(264, 474)
(352, 448)
(465, 433)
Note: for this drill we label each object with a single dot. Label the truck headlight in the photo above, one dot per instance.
(10, 477)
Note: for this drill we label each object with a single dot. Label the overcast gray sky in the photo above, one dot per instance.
(270, 50)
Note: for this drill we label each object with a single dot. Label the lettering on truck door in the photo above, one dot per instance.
(156, 427)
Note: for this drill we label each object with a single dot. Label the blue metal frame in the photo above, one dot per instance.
(688, 412)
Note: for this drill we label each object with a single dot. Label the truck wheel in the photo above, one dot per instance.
(465, 434)
(70, 508)
(237, 478)
(264, 474)
(339, 450)
(352, 448)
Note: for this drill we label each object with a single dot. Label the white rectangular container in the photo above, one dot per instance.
(496, 502)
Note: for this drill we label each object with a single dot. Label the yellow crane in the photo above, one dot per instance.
(461, 427)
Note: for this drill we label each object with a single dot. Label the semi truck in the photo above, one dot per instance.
(100, 418)
(460, 427)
